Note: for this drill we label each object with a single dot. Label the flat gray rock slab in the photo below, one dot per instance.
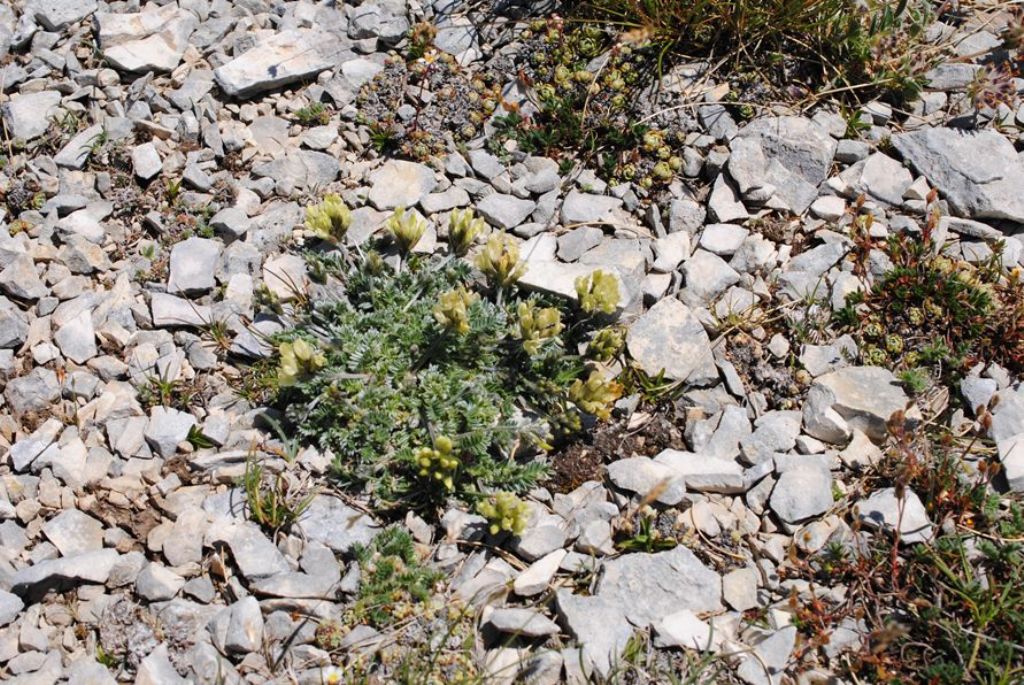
(884, 510)
(980, 174)
(649, 587)
(27, 115)
(400, 184)
(330, 521)
(151, 40)
(600, 627)
(278, 60)
(669, 337)
(90, 567)
(866, 396)
(792, 154)
(253, 552)
(193, 264)
(801, 493)
(74, 532)
(54, 15)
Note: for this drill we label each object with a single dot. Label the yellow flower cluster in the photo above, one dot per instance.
(438, 462)
(499, 261)
(298, 359)
(463, 229)
(598, 292)
(596, 395)
(452, 310)
(536, 326)
(406, 229)
(329, 219)
(605, 344)
(504, 512)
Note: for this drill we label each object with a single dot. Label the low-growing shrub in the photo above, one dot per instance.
(455, 111)
(939, 312)
(946, 611)
(426, 379)
(831, 45)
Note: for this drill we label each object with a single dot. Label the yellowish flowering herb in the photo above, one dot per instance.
(438, 463)
(504, 512)
(598, 292)
(452, 310)
(329, 219)
(463, 229)
(499, 261)
(298, 359)
(605, 344)
(536, 325)
(406, 229)
(595, 396)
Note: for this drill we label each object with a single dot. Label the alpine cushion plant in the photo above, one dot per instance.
(422, 383)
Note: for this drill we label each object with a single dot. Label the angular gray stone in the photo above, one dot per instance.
(28, 449)
(299, 170)
(704, 473)
(706, 276)
(156, 583)
(739, 588)
(21, 280)
(171, 311)
(505, 211)
(13, 327)
(245, 627)
(54, 15)
(881, 177)
(801, 493)
(331, 522)
(10, 606)
(193, 265)
(75, 154)
(980, 174)
(643, 476)
(669, 337)
(600, 627)
(74, 532)
(254, 554)
(35, 391)
(151, 40)
(90, 567)
(648, 587)
(798, 155)
(586, 208)
(146, 161)
(167, 428)
(27, 115)
(77, 338)
(526, 622)
(1011, 455)
(278, 60)
(866, 396)
(883, 509)
(400, 184)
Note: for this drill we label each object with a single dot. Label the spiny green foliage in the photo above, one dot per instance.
(422, 386)
(392, 579)
(314, 114)
(933, 310)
